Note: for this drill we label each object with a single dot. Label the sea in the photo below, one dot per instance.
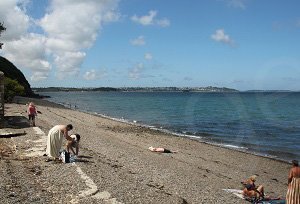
(262, 123)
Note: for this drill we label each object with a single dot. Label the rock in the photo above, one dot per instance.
(12, 194)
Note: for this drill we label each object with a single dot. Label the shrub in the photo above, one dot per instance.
(11, 89)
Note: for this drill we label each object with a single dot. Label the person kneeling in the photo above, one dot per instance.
(74, 143)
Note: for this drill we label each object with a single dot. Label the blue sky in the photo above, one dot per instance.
(241, 44)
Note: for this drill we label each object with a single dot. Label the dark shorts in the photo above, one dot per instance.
(167, 151)
(31, 117)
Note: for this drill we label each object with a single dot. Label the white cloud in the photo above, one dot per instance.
(70, 27)
(150, 19)
(139, 41)
(68, 63)
(111, 16)
(148, 56)
(237, 3)
(29, 52)
(93, 75)
(145, 20)
(73, 26)
(163, 22)
(73, 22)
(220, 36)
(135, 72)
(15, 20)
(39, 76)
(90, 75)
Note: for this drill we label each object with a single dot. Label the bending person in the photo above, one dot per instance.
(293, 193)
(55, 139)
(74, 143)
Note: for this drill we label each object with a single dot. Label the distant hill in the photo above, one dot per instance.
(11, 71)
(140, 89)
(263, 91)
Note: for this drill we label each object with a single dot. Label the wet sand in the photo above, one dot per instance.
(116, 166)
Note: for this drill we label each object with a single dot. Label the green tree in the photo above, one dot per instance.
(2, 28)
(11, 89)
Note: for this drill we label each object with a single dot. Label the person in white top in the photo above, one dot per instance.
(55, 140)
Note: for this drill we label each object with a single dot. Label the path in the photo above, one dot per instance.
(91, 190)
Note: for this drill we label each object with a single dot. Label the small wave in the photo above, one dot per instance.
(233, 146)
(192, 136)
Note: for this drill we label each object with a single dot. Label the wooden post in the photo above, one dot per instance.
(1, 99)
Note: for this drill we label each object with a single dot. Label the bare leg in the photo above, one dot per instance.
(33, 122)
(260, 189)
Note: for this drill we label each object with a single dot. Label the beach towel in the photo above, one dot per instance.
(239, 193)
(272, 202)
(54, 142)
(236, 192)
(293, 193)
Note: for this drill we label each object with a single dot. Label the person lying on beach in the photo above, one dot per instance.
(250, 189)
(161, 150)
(55, 139)
(74, 143)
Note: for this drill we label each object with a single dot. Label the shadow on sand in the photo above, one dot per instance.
(83, 160)
(86, 157)
(16, 122)
(12, 135)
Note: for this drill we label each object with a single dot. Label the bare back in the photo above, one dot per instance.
(295, 172)
(61, 127)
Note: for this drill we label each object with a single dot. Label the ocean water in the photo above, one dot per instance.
(265, 123)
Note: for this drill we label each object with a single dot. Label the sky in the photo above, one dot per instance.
(240, 44)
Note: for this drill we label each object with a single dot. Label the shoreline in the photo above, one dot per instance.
(175, 134)
(116, 160)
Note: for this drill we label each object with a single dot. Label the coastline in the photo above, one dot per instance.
(176, 134)
(118, 161)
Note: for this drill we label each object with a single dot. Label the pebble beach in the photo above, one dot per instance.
(115, 165)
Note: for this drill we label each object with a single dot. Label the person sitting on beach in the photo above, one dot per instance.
(32, 112)
(161, 150)
(250, 190)
(293, 192)
(55, 139)
(74, 143)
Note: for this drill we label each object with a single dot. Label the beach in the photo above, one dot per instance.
(115, 165)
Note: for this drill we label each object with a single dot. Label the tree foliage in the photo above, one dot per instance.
(11, 89)
(2, 28)
(14, 73)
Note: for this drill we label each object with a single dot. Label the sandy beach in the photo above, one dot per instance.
(115, 165)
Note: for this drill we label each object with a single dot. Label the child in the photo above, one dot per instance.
(74, 143)
(32, 112)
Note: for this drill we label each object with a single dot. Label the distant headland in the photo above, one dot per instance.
(139, 89)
